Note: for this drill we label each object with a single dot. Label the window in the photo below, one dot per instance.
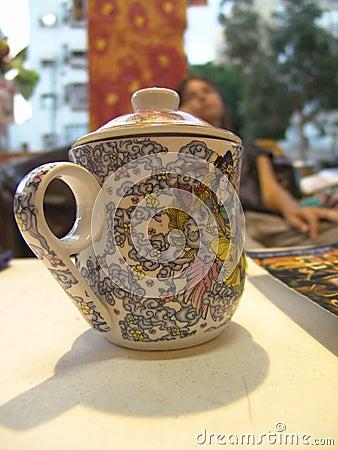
(77, 59)
(78, 11)
(48, 61)
(49, 141)
(48, 101)
(76, 96)
(75, 13)
(74, 131)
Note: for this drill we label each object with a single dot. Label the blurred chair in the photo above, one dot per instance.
(59, 203)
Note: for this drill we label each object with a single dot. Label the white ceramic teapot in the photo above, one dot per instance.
(159, 229)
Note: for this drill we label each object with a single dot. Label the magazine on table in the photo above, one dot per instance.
(312, 272)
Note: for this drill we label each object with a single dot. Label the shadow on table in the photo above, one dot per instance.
(107, 378)
(314, 319)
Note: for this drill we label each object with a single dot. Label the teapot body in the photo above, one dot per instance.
(159, 230)
(182, 298)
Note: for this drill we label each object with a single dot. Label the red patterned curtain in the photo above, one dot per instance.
(132, 44)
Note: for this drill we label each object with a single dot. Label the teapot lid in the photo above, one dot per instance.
(156, 111)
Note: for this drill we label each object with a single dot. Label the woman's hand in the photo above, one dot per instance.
(275, 197)
(307, 219)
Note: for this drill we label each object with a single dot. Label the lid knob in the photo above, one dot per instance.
(155, 98)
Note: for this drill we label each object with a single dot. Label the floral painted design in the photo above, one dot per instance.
(170, 314)
(138, 18)
(176, 246)
(106, 158)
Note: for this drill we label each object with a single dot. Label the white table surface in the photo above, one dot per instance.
(63, 386)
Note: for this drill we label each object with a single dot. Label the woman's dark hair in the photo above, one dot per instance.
(226, 122)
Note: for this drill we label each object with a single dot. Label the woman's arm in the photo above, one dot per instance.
(273, 195)
(278, 199)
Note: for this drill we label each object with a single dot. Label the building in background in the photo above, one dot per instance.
(57, 51)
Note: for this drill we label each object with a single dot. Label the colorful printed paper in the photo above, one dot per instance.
(312, 272)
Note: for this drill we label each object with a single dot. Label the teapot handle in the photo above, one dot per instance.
(56, 253)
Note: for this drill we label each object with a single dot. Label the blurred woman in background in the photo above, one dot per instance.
(274, 217)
